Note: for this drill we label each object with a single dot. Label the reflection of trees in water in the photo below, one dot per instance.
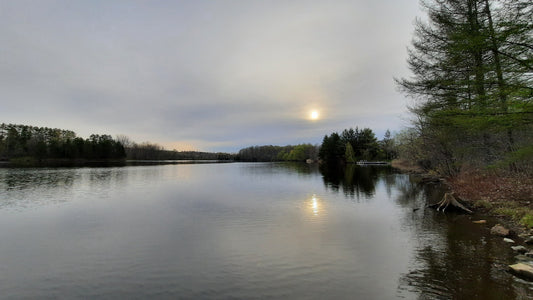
(13, 179)
(468, 266)
(108, 177)
(268, 168)
(355, 181)
(413, 193)
(454, 258)
(23, 188)
(300, 168)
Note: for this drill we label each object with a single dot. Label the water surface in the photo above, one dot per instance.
(240, 231)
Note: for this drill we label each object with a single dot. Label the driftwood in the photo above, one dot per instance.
(448, 200)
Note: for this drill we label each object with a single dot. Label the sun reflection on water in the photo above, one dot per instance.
(315, 207)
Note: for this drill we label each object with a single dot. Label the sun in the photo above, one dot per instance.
(314, 115)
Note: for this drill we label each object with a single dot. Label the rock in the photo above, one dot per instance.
(508, 240)
(529, 240)
(522, 270)
(523, 259)
(530, 254)
(499, 230)
(519, 249)
(480, 222)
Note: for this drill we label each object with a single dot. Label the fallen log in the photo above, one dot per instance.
(448, 200)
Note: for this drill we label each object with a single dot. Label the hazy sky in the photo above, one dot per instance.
(214, 75)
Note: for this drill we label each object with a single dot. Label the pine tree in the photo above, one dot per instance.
(349, 155)
(471, 65)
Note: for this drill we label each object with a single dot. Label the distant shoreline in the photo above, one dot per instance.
(29, 162)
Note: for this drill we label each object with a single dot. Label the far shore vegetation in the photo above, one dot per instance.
(24, 145)
(28, 144)
(350, 146)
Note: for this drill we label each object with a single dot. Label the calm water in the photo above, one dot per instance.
(240, 231)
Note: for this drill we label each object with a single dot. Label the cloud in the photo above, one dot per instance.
(214, 74)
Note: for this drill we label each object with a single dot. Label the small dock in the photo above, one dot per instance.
(364, 163)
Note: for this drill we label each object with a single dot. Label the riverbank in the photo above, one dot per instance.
(508, 197)
(406, 166)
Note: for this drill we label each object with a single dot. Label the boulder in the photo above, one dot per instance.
(523, 259)
(530, 254)
(522, 270)
(508, 240)
(519, 249)
(529, 240)
(499, 230)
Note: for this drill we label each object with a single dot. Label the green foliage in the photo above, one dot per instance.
(505, 211)
(349, 155)
(300, 152)
(151, 151)
(527, 220)
(523, 156)
(388, 149)
(25, 144)
(353, 145)
(522, 215)
(332, 149)
(472, 63)
(483, 204)
(364, 142)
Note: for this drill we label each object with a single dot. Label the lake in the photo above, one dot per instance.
(241, 231)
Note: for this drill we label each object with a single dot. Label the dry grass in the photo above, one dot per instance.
(506, 195)
(477, 186)
(406, 166)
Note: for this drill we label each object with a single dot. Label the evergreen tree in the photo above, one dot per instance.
(332, 149)
(471, 65)
(41, 142)
(349, 155)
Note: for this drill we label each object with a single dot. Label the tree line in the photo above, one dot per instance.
(150, 151)
(18, 141)
(353, 145)
(300, 152)
(472, 82)
(23, 141)
(153, 151)
(350, 146)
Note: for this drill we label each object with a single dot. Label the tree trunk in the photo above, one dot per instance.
(448, 200)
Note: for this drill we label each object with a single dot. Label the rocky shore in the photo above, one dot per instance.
(508, 199)
(522, 245)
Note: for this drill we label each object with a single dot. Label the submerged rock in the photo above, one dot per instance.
(499, 230)
(508, 240)
(480, 222)
(522, 270)
(519, 249)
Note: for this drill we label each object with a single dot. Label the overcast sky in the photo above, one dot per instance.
(214, 75)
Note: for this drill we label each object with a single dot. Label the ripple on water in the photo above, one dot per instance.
(239, 231)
